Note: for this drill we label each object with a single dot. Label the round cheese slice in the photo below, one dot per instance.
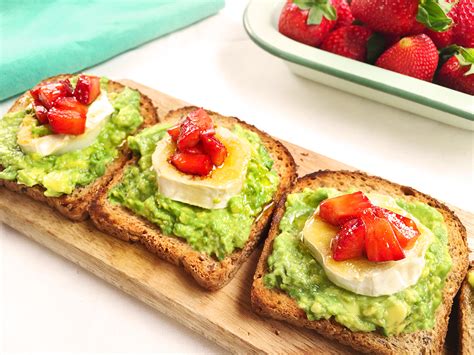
(212, 191)
(97, 114)
(360, 275)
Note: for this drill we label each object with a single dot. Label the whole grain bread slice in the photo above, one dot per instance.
(466, 317)
(277, 304)
(75, 205)
(209, 273)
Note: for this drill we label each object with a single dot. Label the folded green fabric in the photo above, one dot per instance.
(41, 38)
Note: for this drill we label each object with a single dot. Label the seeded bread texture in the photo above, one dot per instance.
(277, 304)
(75, 205)
(209, 273)
(466, 318)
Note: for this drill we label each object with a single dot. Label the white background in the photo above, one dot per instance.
(49, 304)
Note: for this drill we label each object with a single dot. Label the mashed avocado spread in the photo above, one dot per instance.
(470, 278)
(216, 232)
(60, 174)
(293, 269)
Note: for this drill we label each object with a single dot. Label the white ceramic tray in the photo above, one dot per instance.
(401, 91)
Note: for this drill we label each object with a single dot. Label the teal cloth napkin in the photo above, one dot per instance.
(41, 38)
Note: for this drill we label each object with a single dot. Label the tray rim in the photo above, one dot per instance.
(265, 35)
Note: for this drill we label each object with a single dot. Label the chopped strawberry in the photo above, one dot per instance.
(381, 244)
(47, 94)
(87, 89)
(174, 132)
(197, 149)
(339, 210)
(41, 112)
(202, 120)
(188, 135)
(195, 164)
(405, 229)
(215, 149)
(349, 243)
(64, 121)
(71, 103)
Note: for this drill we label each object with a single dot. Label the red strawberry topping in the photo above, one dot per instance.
(339, 210)
(380, 241)
(198, 149)
(194, 164)
(349, 243)
(87, 89)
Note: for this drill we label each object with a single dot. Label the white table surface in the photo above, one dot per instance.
(48, 304)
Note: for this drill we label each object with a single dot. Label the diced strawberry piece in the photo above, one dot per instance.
(405, 229)
(339, 210)
(67, 121)
(87, 89)
(188, 135)
(174, 133)
(41, 112)
(71, 103)
(47, 94)
(202, 120)
(214, 148)
(349, 243)
(381, 243)
(197, 149)
(68, 87)
(195, 164)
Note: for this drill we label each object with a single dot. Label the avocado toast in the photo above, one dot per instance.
(290, 284)
(73, 177)
(209, 243)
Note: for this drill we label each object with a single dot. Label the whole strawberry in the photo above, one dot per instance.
(344, 13)
(307, 21)
(458, 72)
(463, 29)
(398, 17)
(414, 56)
(349, 41)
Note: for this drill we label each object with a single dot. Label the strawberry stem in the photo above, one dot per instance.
(432, 13)
(317, 10)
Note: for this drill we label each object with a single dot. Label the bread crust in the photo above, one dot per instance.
(209, 273)
(466, 318)
(75, 205)
(277, 304)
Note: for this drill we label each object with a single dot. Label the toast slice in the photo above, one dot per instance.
(75, 205)
(277, 304)
(209, 273)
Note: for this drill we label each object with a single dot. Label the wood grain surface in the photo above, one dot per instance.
(224, 316)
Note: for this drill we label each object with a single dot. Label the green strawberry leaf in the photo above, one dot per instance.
(315, 16)
(317, 10)
(375, 47)
(432, 13)
(465, 57)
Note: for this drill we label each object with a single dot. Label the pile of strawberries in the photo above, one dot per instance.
(65, 109)
(198, 150)
(432, 40)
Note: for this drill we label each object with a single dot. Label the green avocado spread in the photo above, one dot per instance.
(293, 269)
(61, 174)
(470, 278)
(216, 232)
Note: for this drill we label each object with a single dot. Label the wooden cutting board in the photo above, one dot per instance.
(224, 316)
